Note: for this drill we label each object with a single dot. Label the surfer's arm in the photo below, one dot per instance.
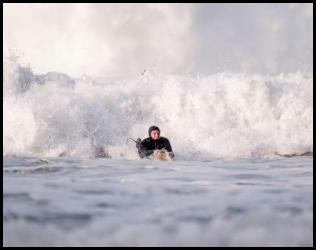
(148, 152)
(168, 145)
(171, 154)
(143, 151)
(169, 148)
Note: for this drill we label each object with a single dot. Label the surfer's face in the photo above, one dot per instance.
(154, 134)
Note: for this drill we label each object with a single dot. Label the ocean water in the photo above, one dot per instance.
(231, 87)
(242, 174)
(55, 201)
(224, 115)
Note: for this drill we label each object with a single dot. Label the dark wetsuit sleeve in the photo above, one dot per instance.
(143, 151)
(168, 146)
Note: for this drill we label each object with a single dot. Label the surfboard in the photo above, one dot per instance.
(161, 155)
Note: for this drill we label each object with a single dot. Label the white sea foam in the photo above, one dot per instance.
(118, 202)
(221, 81)
(220, 115)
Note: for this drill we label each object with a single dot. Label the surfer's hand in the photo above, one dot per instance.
(171, 154)
(138, 142)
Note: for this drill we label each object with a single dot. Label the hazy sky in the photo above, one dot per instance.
(125, 39)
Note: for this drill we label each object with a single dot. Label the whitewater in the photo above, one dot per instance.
(72, 177)
(106, 202)
(225, 115)
(236, 106)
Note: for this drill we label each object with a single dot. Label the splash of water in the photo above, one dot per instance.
(221, 115)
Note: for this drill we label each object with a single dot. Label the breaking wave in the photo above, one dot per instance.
(222, 115)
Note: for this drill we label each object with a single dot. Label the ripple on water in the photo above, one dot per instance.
(252, 176)
(63, 220)
(32, 170)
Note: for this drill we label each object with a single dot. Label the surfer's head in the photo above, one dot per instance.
(154, 132)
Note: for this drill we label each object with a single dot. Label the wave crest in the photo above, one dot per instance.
(218, 116)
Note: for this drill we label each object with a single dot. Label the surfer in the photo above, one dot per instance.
(153, 144)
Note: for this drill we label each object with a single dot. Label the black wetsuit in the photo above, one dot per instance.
(147, 146)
